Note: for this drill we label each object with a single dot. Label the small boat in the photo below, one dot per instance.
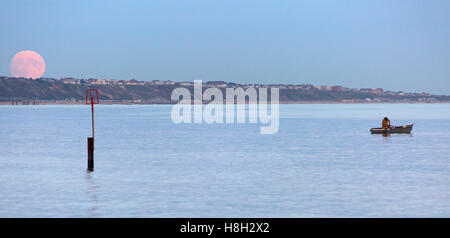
(392, 129)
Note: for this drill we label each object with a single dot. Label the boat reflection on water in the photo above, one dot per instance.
(387, 135)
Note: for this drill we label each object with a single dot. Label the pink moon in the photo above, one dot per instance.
(27, 64)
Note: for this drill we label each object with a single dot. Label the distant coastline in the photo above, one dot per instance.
(47, 91)
(6, 103)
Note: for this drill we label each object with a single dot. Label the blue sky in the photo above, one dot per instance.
(399, 45)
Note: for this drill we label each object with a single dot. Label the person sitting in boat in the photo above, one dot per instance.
(386, 123)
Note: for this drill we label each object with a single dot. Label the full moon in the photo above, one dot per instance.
(27, 64)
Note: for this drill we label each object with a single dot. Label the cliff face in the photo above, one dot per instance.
(42, 89)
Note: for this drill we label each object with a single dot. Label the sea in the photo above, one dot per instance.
(322, 162)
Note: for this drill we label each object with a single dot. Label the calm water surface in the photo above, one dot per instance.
(323, 162)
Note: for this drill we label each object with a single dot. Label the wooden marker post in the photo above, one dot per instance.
(91, 95)
(90, 146)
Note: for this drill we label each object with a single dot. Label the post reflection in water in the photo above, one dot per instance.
(92, 188)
